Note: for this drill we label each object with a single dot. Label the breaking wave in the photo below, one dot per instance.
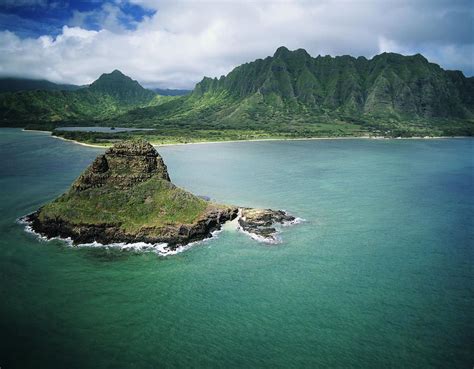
(275, 239)
(293, 222)
(162, 249)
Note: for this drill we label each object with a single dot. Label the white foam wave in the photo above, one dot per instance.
(273, 240)
(29, 229)
(162, 249)
(159, 248)
(297, 220)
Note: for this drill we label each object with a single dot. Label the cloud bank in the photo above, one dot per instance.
(179, 42)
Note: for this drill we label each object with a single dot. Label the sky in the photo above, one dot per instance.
(175, 43)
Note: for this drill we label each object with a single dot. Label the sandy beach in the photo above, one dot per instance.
(255, 140)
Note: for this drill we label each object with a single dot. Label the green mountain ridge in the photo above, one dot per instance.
(289, 94)
(294, 94)
(122, 88)
(110, 95)
(387, 84)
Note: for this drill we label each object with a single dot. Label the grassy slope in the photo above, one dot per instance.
(153, 203)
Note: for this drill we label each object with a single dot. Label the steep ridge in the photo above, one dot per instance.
(387, 84)
(292, 93)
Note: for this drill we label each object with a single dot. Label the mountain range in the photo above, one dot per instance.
(110, 95)
(290, 93)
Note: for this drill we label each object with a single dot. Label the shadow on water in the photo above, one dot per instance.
(106, 254)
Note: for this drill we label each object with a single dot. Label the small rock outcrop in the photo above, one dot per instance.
(260, 222)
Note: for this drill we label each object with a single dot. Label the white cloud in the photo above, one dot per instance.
(185, 40)
(109, 16)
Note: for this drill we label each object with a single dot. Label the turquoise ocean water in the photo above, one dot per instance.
(379, 276)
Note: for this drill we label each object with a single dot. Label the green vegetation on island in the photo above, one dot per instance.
(153, 203)
(126, 195)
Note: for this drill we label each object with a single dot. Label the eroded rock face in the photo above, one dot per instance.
(123, 165)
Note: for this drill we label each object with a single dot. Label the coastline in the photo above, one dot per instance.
(161, 249)
(81, 143)
(165, 248)
(309, 139)
(157, 144)
(34, 130)
(64, 139)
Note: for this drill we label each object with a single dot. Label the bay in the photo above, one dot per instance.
(379, 275)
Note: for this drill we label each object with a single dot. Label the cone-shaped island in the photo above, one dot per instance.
(126, 196)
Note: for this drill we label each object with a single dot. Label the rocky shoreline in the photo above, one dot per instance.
(259, 224)
(111, 233)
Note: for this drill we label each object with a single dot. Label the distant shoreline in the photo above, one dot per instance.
(81, 143)
(104, 146)
(65, 139)
(311, 139)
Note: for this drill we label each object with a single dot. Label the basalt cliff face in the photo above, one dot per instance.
(123, 166)
(126, 196)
